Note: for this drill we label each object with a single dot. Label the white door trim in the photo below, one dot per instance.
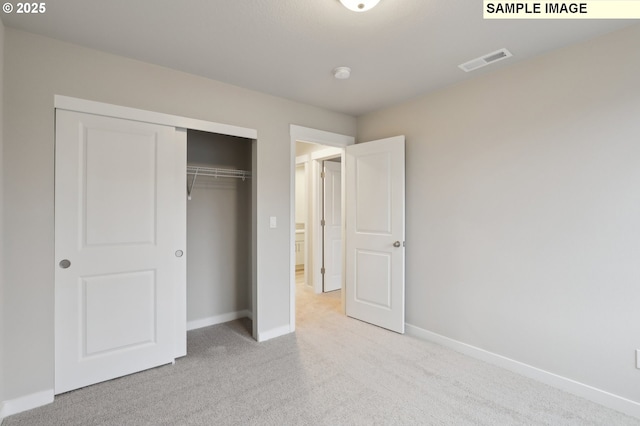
(118, 111)
(322, 137)
(306, 134)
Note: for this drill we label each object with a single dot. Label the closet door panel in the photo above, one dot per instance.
(113, 161)
(119, 223)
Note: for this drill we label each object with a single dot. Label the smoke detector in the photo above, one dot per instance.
(485, 60)
(342, 73)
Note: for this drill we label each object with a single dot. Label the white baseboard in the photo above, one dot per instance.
(273, 333)
(599, 396)
(24, 403)
(218, 319)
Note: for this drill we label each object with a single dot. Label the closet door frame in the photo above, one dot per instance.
(180, 123)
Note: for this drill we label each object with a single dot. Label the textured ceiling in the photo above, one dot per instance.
(288, 48)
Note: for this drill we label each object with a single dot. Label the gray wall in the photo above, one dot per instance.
(218, 229)
(37, 68)
(523, 207)
(2, 299)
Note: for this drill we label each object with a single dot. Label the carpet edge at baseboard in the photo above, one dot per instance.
(218, 319)
(27, 402)
(599, 396)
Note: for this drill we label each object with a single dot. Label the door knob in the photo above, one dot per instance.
(64, 263)
(396, 244)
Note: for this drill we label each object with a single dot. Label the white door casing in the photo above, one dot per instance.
(120, 221)
(332, 238)
(375, 232)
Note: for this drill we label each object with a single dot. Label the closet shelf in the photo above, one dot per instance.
(215, 172)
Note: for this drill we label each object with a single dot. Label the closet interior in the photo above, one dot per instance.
(219, 240)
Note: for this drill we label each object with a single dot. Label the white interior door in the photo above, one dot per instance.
(375, 232)
(120, 233)
(332, 237)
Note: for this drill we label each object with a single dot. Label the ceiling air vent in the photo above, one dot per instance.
(484, 60)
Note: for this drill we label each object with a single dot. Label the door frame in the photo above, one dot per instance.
(321, 137)
(116, 111)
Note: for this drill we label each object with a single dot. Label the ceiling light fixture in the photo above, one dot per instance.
(359, 5)
(342, 73)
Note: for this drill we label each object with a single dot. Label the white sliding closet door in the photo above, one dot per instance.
(120, 233)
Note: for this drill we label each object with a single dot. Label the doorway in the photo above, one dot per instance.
(315, 147)
(318, 216)
(375, 183)
(219, 231)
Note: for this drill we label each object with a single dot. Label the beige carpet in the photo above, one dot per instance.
(333, 371)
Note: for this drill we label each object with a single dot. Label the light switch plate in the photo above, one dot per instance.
(637, 358)
(273, 222)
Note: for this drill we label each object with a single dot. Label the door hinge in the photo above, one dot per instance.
(322, 271)
(322, 222)
(322, 175)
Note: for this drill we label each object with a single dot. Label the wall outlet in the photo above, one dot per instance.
(273, 222)
(637, 358)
